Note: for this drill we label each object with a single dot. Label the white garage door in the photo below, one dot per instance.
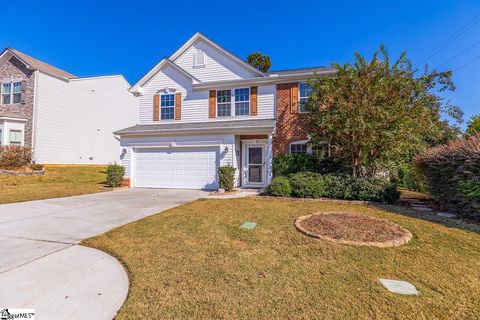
(193, 168)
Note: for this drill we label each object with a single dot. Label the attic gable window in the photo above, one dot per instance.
(199, 59)
(11, 92)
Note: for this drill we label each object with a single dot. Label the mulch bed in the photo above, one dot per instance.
(354, 229)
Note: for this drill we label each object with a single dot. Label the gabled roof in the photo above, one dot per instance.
(198, 36)
(154, 70)
(36, 64)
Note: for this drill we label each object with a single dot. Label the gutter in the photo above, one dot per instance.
(244, 129)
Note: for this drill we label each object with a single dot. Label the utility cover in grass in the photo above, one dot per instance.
(400, 287)
(248, 225)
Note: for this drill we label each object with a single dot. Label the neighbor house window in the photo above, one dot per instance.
(298, 147)
(242, 102)
(15, 137)
(304, 94)
(224, 103)
(167, 106)
(1, 136)
(11, 92)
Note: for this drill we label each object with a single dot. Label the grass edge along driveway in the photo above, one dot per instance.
(194, 261)
(58, 181)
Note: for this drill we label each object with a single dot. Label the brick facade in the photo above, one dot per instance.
(290, 126)
(16, 71)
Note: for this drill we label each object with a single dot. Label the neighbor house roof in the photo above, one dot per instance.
(249, 126)
(36, 64)
(12, 115)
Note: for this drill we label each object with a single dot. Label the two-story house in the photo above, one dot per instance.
(203, 107)
(64, 119)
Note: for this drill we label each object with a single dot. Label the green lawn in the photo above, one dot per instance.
(58, 181)
(187, 263)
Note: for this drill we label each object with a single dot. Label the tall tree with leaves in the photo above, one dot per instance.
(473, 126)
(259, 61)
(375, 113)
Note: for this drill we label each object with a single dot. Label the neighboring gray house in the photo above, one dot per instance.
(64, 118)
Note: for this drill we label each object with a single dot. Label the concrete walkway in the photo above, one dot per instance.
(41, 265)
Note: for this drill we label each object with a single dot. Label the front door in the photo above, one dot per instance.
(255, 165)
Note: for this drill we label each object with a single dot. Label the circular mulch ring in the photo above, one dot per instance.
(354, 229)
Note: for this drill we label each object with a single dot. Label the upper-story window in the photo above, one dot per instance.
(241, 99)
(167, 106)
(242, 102)
(11, 92)
(224, 103)
(304, 94)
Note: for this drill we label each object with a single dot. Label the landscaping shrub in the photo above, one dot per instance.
(314, 185)
(226, 176)
(452, 175)
(307, 185)
(12, 157)
(280, 187)
(287, 164)
(115, 175)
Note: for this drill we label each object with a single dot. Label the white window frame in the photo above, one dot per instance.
(309, 147)
(300, 97)
(195, 59)
(160, 102)
(233, 102)
(11, 93)
(10, 137)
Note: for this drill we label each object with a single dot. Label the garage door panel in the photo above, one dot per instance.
(193, 168)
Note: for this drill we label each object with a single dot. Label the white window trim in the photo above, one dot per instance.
(309, 147)
(299, 98)
(22, 136)
(233, 102)
(11, 93)
(166, 93)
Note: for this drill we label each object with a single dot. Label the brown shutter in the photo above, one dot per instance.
(24, 86)
(294, 99)
(253, 101)
(178, 106)
(212, 103)
(156, 107)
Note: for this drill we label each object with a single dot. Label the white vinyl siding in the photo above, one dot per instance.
(85, 112)
(218, 66)
(195, 103)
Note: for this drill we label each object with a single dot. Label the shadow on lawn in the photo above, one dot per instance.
(430, 216)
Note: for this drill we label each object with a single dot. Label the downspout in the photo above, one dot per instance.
(35, 111)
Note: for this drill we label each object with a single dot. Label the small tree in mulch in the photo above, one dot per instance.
(14, 157)
(226, 177)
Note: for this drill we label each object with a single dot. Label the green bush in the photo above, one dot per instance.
(280, 187)
(115, 175)
(452, 175)
(226, 176)
(407, 178)
(314, 185)
(287, 164)
(307, 185)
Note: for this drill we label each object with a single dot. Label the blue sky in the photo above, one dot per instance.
(129, 37)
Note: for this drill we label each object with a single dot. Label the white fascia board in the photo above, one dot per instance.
(270, 80)
(198, 36)
(157, 68)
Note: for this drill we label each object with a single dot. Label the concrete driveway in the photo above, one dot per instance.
(41, 266)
